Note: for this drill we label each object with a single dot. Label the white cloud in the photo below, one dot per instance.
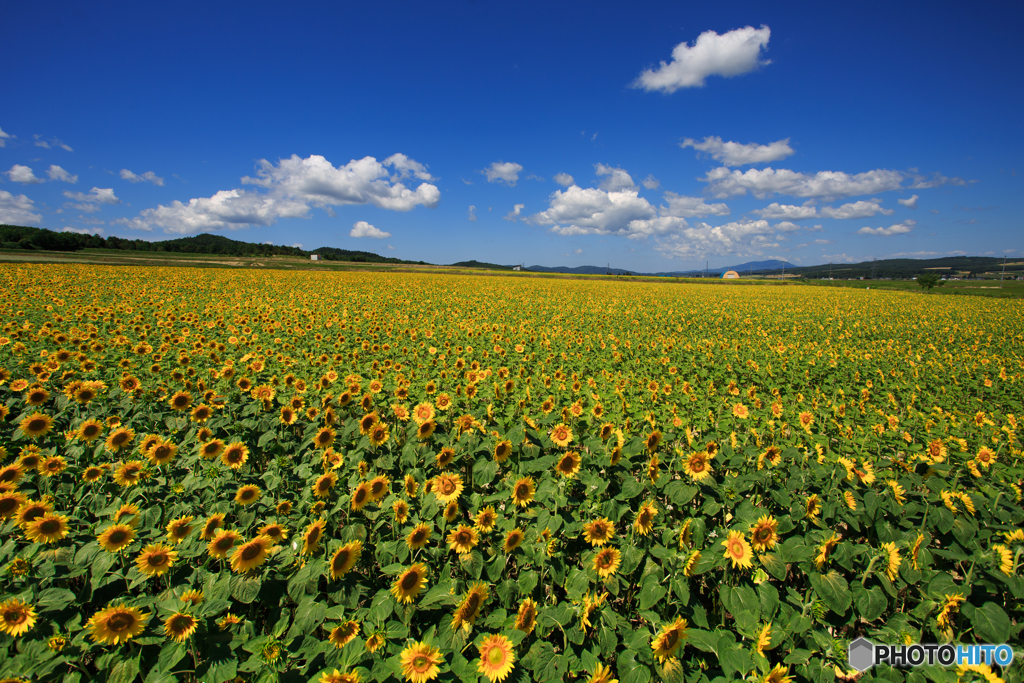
(862, 209)
(3, 138)
(405, 167)
(58, 173)
(84, 207)
(579, 211)
(786, 226)
(564, 179)
(65, 147)
(42, 143)
(297, 245)
(617, 179)
(687, 207)
(513, 215)
(17, 210)
(96, 195)
(231, 209)
(909, 203)
(650, 182)
(364, 229)
(730, 54)
(148, 177)
(535, 177)
(897, 229)
(736, 154)
(921, 182)
(315, 181)
(738, 238)
(578, 251)
(503, 171)
(723, 182)
(472, 212)
(84, 231)
(788, 212)
(23, 174)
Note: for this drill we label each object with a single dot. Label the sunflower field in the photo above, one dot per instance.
(213, 475)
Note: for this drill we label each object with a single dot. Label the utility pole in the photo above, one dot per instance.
(830, 272)
(873, 268)
(783, 271)
(1002, 273)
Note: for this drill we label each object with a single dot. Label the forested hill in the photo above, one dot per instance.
(20, 237)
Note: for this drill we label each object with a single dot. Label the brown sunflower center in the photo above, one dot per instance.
(13, 617)
(36, 425)
(121, 621)
(90, 431)
(421, 663)
(410, 580)
(762, 534)
(49, 526)
(118, 536)
(418, 536)
(496, 656)
(447, 486)
(341, 559)
(157, 559)
(462, 538)
(736, 549)
(251, 552)
(361, 495)
(671, 638)
(522, 491)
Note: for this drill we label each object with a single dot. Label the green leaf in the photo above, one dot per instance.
(774, 566)
(54, 599)
(679, 493)
(871, 603)
(769, 597)
(245, 590)
(833, 590)
(651, 592)
(990, 622)
(125, 671)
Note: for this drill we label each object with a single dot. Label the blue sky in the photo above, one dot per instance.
(653, 138)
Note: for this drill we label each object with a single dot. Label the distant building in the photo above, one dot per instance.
(314, 257)
(517, 267)
(730, 275)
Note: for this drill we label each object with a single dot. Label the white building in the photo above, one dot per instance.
(314, 257)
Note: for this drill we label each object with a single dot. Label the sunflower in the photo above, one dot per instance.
(180, 626)
(691, 563)
(343, 634)
(379, 487)
(950, 606)
(652, 441)
(211, 449)
(116, 624)
(773, 454)
(777, 675)
(36, 396)
(89, 430)
(447, 487)
(210, 526)
(361, 496)
(235, 455)
(496, 658)
(670, 638)
(1005, 557)
(31, 510)
(379, 435)
(590, 606)
(116, 537)
(697, 466)
(248, 494)
(409, 583)
(93, 473)
(192, 596)
(345, 558)
(283, 508)
(11, 474)
(274, 531)
(36, 425)
(985, 457)
(49, 528)
(739, 410)
(561, 435)
(607, 562)
(513, 540)
(644, 521)
(569, 464)
(603, 674)
(401, 511)
(445, 457)
(251, 555)
(426, 430)
(763, 534)
(120, 438)
(424, 412)
(229, 620)
(323, 485)
(738, 550)
(418, 537)
(179, 529)
(201, 413)
(522, 492)
(485, 519)
(16, 617)
(52, 465)
(502, 450)
(451, 511)
(182, 400)
(892, 560)
(156, 559)
(312, 535)
(375, 641)
(825, 549)
(462, 539)
(813, 505)
(127, 510)
(469, 609)
(10, 501)
(420, 663)
(222, 543)
(526, 619)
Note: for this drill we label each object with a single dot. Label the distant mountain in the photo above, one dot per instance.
(581, 270)
(480, 264)
(743, 268)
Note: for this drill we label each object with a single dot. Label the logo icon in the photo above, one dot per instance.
(861, 654)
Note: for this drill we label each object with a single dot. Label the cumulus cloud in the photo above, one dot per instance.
(909, 203)
(650, 182)
(738, 238)
(58, 173)
(22, 174)
(84, 231)
(788, 212)
(405, 167)
(472, 212)
(786, 226)
(687, 207)
(897, 229)
(315, 181)
(3, 138)
(227, 209)
(513, 215)
(730, 54)
(96, 195)
(579, 211)
(535, 177)
(736, 154)
(148, 177)
(862, 209)
(364, 229)
(503, 172)
(564, 179)
(920, 182)
(18, 210)
(723, 182)
(615, 179)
